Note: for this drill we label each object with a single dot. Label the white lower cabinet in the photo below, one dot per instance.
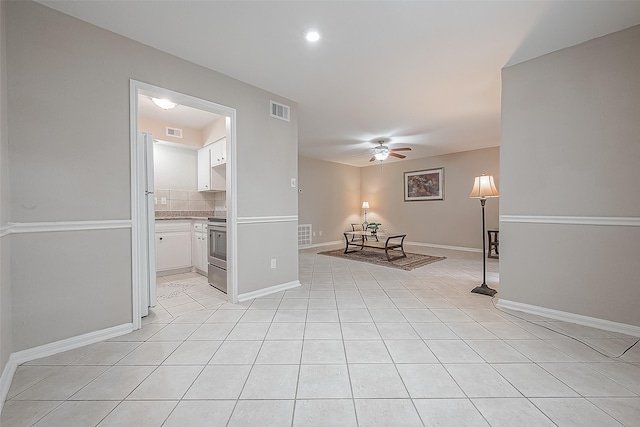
(199, 246)
(173, 245)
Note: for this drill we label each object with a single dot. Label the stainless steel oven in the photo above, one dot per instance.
(217, 268)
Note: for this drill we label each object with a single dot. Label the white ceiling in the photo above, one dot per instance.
(425, 74)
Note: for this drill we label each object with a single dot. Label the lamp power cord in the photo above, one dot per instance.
(564, 334)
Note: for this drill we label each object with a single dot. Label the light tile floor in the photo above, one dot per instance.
(356, 345)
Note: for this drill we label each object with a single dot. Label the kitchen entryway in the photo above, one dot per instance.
(193, 175)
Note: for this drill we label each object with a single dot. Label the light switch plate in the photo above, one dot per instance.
(293, 183)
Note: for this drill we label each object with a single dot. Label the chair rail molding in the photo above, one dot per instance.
(47, 227)
(621, 221)
(264, 219)
(5, 229)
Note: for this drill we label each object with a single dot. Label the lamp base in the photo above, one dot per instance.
(484, 290)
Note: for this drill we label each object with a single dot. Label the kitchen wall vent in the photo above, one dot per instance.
(174, 132)
(304, 234)
(280, 111)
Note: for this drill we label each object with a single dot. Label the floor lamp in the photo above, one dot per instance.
(484, 188)
(365, 224)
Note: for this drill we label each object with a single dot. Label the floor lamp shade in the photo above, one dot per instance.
(484, 187)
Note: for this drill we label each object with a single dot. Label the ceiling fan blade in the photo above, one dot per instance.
(401, 149)
(373, 159)
(400, 156)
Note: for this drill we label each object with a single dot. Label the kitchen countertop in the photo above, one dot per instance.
(187, 215)
(172, 218)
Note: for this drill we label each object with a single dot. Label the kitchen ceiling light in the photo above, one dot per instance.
(163, 103)
(313, 36)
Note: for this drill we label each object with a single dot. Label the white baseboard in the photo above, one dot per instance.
(319, 245)
(579, 319)
(45, 350)
(268, 291)
(174, 271)
(433, 245)
(6, 378)
(430, 245)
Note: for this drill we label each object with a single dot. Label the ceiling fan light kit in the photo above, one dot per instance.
(381, 152)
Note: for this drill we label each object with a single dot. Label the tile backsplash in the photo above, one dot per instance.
(188, 200)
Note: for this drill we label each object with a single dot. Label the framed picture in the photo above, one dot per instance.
(424, 185)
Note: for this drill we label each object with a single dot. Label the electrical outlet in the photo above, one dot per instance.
(273, 263)
(163, 200)
(155, 200)
(314, 234)
(320, 233)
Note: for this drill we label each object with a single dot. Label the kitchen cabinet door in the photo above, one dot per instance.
(173, 250)
(219, 152)
(204, 168)
(205, 247)
(199, 247)
(196, 251)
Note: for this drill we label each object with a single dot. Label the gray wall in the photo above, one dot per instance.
(454, 221)
(68, 115)
(6, 345)
(570, 129)
(330, 198)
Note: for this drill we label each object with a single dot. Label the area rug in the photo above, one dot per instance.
(379, 258)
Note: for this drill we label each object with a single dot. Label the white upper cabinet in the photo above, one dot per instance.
(219, 152)
(212, 161)
(204, 168)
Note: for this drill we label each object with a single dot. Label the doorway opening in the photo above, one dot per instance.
(143, 255)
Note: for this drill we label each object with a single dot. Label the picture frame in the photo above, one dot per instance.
(424, 185)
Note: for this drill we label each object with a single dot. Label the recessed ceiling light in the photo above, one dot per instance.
(165, 104)
(313, 36)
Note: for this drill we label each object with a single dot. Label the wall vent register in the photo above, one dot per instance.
(174, 132)
(280, 111)
(304, 234)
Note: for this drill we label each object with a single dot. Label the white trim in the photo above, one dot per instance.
(7, 377)
(318, 245)
(454, 248)
(430, 245)
(232, 205)
(263, 219)
(137, 260)
(5, 230)
(45, 350)
(71, 343)
(573, 220)
(579, 319)
(46, 227)
(268, 291)
(137, 87)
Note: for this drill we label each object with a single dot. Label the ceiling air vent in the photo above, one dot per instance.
(280, 111)
(174, 132)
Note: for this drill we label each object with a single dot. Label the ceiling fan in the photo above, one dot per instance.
(381, 152)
